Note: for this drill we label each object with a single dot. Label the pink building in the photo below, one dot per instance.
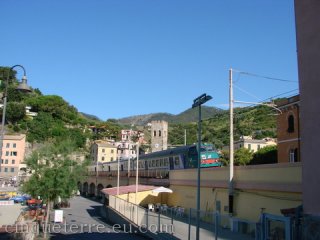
(13, 151)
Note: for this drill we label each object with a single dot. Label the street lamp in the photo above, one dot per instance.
(197, 103)
(23, 86)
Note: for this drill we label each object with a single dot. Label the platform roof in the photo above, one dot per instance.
(127, 189)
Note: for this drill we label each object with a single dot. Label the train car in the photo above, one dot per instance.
(158, 164)
(209, 156)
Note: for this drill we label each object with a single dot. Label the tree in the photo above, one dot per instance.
(266, 155)
(242, 156)
(54, 173)
(15, 111)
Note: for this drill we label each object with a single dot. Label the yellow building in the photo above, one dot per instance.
(253, 144)
(102, 152)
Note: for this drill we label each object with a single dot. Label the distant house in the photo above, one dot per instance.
(102, 152)
(253, 144)
(288, 130)
(28, 112)
(13, 153)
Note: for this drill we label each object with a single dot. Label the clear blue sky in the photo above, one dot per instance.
(117, 58)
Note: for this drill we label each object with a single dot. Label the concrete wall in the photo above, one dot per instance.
(270, 187)
(144, 198)
(308, 46)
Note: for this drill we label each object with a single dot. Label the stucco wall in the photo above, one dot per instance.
(308, 51)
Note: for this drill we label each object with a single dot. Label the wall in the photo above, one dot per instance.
(288, 140)
(271, 187)
(144, 198)
(7, 156)
(308, 49)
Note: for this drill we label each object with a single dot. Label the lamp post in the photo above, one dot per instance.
(137, 168)
(197, 103)
(23, 86)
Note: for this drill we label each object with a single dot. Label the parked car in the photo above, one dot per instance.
(4, 196)
(19, 199)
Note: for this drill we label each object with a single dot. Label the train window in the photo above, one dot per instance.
(176, 161)
(166, 162)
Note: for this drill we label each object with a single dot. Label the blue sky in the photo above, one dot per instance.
(127, 57)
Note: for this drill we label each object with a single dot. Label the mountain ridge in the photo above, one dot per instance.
(189, 115)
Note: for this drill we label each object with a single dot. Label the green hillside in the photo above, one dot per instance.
(258, 121)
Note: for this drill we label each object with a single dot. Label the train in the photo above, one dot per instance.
(158, 164)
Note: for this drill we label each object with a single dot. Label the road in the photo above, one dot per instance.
(82, 221)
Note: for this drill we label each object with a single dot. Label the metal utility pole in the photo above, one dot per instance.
(231, 147)
(185, 137)
(137, 172)
(118, 177)
(197, 103)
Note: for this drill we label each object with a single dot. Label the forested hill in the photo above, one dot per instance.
(190, 115)
(258, 121)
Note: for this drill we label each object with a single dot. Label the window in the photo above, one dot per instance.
(102, 158)
(292, 156)
(154, 133)
(291, 124)
(103, 150)
(14, 145)
(111, 159)
(7, 153)
(121, 151)
(1, 161)
(6, 161)
(13, 161)
(12, 169)
(5, 169)
(7, 145)
(176, 161)
(13, 154)
(259, 147)
(111, 150)
(109, 168)
(159, 133)
(249, 146)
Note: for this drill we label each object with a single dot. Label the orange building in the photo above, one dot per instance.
(288, 130)
(13, 152)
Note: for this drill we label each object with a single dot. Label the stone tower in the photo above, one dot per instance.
(159, 135)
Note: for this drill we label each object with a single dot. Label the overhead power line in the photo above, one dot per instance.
(265, 77)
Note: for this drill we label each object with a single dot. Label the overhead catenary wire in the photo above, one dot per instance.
(265, 77)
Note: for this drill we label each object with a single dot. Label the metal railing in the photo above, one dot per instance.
(181, 223)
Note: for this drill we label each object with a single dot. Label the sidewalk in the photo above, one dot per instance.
(206, 231)
(9, 214)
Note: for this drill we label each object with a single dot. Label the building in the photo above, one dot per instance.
(253, 144)
(102, 152)
(159, 135)
(28, 112)
(126, 150)
(288, 130)
(13, 153)
(308, 53)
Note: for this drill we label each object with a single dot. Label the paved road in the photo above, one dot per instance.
(82, 221)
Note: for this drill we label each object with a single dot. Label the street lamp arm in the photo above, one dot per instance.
(24, 70)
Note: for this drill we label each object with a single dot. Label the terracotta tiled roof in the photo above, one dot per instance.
(127, 189)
